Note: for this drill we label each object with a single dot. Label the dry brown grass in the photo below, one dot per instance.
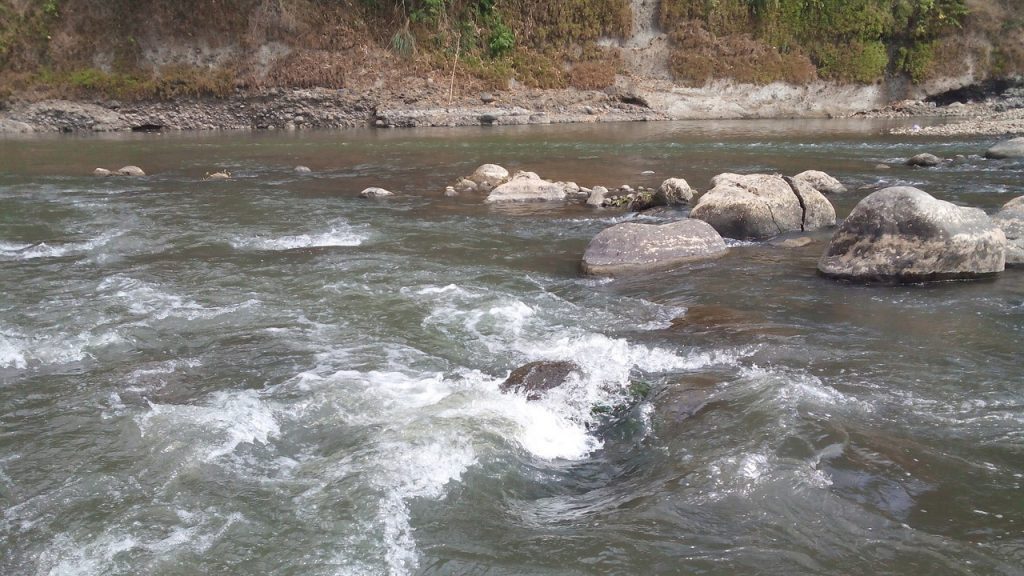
(699, 56)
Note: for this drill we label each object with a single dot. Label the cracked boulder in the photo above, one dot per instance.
(903, 234)
(632, 247)
(1011, 221)
(759, 206)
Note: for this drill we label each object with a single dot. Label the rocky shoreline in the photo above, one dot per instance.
(424, 103)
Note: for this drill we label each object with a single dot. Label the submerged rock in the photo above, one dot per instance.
(131, 171)
(536, 378)
(218, 176)
(374, 192)
(1013, 148)
(302, 170)
(1011, 221)
(632, 247)
(902, 234)
(924, 160)
(759, 206)
(821, 182)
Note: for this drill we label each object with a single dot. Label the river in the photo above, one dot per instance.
(270, 375)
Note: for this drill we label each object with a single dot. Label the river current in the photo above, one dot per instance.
(270, 375)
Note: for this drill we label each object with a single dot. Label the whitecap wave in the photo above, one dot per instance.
(21, 251)
(338, 236)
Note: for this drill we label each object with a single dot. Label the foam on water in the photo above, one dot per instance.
(229, 419)
(151, 301)
(14, 251)
(19, 352)
(341, 234)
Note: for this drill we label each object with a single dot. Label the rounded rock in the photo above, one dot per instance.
(374, 192)
(674, 192)
(1013, 148)
(821, 182)
(131, 171)
(903, 234)
(631, 247)
(924, 160)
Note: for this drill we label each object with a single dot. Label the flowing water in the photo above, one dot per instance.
(269, 375)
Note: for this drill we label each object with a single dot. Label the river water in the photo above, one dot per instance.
(269, 375)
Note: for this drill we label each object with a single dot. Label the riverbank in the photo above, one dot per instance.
(427, 102)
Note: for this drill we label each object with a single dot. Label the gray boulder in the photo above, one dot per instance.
(673, 192)
(924, 160)
(374, 192)
(529, 187)
(131, 171)
(759, 206)
(632, 247)
(1013, 148)
(536, 378)
(902, 234)
(1011, 221)
(487, 177)
(821, 182)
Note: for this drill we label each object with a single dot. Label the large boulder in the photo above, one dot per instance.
(529, 187)
(1011, 221)
(9, 126)
(1013, 148)
(758, 206)
(632, 247)
(902, 234)
(821, 182)
(536, 378)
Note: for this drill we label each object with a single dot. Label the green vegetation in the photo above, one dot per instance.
(139, 49)
(844, 40)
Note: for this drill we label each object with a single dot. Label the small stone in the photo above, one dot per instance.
(131, 171)
(302, 170)
(450, 191)
(374, 192)
(486, 97)
(589, 110)
(218, 176)
(597, 196)
(101, 172)
(924, 160)
(647, 173)
(883, 167)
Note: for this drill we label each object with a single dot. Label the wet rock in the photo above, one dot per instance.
(792, 242)
(631, 247)
(883, 167)
(1013, 148)
(597, 196)
(302, 170)
(536, 378)
(131, 171)
(759, 206)
(674, 192)
(924, 160)
(101, 172)
(218, 176)
(483, 179)
(821, 182)
(529, 187)
(374, 192)
(450, 192)
(903, 234)
(1011, 221)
